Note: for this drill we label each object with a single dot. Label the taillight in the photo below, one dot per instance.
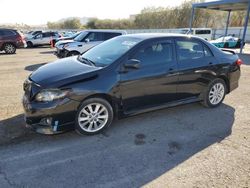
(239, 62)
(20, 38)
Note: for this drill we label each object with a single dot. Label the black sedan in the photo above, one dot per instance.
(125, 76)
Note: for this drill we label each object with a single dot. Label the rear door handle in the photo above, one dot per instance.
(210, 63)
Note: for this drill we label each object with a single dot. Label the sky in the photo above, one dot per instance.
(34, 12)
(40, 11)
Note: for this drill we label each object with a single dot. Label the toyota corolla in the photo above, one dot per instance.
(124, 76)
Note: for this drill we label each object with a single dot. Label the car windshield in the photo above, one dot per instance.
(76, 34)
(109, 51)
(80, 37)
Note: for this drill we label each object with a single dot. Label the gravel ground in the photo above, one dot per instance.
(185, 146)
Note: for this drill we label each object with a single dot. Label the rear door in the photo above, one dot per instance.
(154, 82)
(196, 65)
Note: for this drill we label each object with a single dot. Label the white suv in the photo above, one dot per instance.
(84, 41)
(42, 39)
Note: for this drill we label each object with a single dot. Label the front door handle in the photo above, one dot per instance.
(171, 70)
(210, 63)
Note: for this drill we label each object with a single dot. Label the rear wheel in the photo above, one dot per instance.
(93, 116)
(9, 48)
(215, 93)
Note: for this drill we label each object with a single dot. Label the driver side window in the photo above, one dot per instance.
(155, 54)
(94, 36)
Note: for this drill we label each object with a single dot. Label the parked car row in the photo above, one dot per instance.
(74, 43)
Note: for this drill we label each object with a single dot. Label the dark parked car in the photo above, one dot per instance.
(125, 76)
(10, 40)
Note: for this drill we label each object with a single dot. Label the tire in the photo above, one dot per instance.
(73, 53)
(226, 45)
(214, 100)
(89, 121)
(9, 48)
(29, 44)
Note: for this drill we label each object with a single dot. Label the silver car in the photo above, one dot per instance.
(83, 42)
(42, 39)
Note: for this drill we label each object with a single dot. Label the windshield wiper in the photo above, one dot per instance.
(86, 61)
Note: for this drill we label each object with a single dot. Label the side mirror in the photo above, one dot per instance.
(132, 64)
(87, 40)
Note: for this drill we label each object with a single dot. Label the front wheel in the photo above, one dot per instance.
(29, 44)
(93, 116)
(215, 93)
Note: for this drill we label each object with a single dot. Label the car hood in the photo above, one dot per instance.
(63, 72)
(64, 42)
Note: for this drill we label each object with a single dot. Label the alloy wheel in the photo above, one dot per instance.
(9, 48)
(216, 93)
(93, 117)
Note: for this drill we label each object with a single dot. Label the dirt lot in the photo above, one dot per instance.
(185, 146)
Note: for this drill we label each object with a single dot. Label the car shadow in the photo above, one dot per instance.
(131, 153)
(47, 52)
(34, 67)
(245, 58)
(4, 54)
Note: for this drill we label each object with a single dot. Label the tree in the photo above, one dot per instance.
(73, 23)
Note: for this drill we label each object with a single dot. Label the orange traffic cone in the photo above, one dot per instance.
(51, 43)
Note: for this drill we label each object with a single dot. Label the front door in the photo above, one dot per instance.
(91, 40)
(154, 82)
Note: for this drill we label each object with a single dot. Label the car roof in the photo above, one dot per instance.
(145, 36)
(105, 31)
(8, 29)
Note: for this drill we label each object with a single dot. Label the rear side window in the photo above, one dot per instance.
(54, 34)
(202, 32)
(47, 34)
(207, 51)
(158, 53)
(7, 33)
(110, 35)
(189, 49)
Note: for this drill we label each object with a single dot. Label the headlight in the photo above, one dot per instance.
(51, 95)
